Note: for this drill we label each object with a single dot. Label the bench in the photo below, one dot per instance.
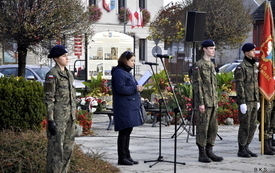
(110, 114)
(152, 111)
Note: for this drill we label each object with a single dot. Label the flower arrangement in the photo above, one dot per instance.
(146, 16)
(95, 13)
(84, 119)
(97, 86)
(92, 104)
(121, 15)
(228, 108)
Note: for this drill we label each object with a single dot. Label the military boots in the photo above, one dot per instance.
(202, 155)
(211, 155)
(270, 145)
(250, 152)
(267, 150)
(242, 152)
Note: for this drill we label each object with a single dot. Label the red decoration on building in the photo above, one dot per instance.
(78, 45)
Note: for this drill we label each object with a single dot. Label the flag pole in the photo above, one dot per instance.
(262, 125)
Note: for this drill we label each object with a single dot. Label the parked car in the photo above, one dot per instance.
(231, 68)
(33, 72)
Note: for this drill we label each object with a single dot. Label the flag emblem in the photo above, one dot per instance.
(50, 76)
(109, 5)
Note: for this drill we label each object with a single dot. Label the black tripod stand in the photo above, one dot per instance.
(160, 157)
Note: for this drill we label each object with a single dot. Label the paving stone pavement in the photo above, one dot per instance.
(145, 146)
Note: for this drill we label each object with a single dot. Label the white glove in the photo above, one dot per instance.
(258, 105)
(243, 108)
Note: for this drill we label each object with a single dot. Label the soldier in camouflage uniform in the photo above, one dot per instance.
(269, 122)
(206, 101)
(61, 107)
(246, 78)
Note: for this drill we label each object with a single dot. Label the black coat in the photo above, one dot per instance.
(126, 99)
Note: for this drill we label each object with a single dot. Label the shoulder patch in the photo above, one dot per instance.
(196, 68)
(50, 76)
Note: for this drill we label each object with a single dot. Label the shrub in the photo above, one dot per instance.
(26, 152)
(22, 103)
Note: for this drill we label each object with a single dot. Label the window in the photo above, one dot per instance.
(10, 72)
(92, 2)
(121, 3)
(142, 3)
(142, 51)
(29, 74)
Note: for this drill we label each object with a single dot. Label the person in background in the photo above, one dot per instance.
(126, 105)
(61, 108)
(246, 78)
(269, 123)
(206, 102)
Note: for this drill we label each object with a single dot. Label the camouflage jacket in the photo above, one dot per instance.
(204, 84)
(246, 78)
(60, 94)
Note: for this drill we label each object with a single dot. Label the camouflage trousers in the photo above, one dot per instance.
(60, 147)
(207, 127)
(269, 119)
(248, 124)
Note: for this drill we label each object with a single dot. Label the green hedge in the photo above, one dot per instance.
(22, 104)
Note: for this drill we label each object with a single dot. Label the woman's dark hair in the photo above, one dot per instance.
(124, 58)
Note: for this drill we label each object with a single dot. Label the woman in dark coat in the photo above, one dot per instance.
(126, 105)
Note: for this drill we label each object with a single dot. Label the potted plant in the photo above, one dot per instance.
(121, 15)
(97, 86)
(146, 16)
(95, 13)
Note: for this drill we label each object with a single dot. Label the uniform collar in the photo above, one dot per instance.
(250, 61)
(60, 72)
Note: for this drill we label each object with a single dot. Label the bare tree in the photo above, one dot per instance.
(30, 22)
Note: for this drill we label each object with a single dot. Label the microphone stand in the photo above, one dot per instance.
(175, 98)
(160, 157)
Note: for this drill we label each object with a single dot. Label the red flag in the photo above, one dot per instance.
(140, 18)
(136, 19)
(266, 80)
(133, 19)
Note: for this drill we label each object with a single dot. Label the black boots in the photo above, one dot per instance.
(250, 152)
(211, 155)
(125, 162)
(242, 152)
(267, 150)
(270, 144)
(133, 161)
(128, 161)
(202, 155)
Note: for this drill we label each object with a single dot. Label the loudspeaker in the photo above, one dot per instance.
(195, 26)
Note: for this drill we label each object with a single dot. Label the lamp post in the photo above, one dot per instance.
(125, 12)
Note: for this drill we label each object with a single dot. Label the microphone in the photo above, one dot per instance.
(163, 56)
(149, 63)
